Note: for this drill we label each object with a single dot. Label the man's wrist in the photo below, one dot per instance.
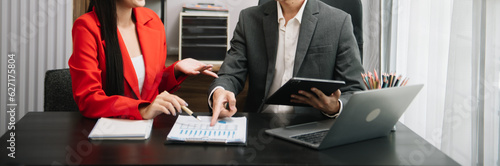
(335, 115)
(210, 96)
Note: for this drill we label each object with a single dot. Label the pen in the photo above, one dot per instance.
(190, 112)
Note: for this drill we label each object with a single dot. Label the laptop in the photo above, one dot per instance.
(368, 114)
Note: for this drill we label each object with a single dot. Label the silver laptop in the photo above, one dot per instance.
(367, 115)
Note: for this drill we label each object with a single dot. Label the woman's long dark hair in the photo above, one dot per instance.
(106, 13)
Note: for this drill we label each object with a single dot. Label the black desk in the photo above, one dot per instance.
(60, 138)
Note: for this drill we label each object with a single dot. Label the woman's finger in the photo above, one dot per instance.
(161, 109)
(202, 68)
(210, 73)
(170, 108)
(180, 102)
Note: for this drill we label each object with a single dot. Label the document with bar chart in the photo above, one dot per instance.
(230, 131)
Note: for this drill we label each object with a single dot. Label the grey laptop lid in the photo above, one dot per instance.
(368, 114)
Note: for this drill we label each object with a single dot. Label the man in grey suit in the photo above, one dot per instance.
(288, 38)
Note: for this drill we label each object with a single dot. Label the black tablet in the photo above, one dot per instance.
(282, 95)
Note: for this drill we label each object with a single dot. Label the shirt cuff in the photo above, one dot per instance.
(211, 93)
(337, 114)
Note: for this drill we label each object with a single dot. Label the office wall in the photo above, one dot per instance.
(37, 32)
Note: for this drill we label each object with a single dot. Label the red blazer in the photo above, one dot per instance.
(88, 67)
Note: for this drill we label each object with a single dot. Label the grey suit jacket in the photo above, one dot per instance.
(326, 49)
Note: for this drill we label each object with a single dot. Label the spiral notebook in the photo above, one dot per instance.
(228, 131)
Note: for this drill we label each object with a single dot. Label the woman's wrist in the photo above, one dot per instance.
(142, 108)
(177, 71)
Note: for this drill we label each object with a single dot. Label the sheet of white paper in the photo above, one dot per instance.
(119, 129)
(227, 130)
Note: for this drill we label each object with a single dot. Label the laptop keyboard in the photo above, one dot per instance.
(313, 138)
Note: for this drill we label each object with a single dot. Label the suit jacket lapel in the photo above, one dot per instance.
(307, 28)
(128, 68)
(150, 42)
(270, 26)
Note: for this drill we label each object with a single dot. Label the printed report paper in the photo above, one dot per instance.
(231, 130)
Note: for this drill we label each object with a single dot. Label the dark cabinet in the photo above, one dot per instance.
(203, 36)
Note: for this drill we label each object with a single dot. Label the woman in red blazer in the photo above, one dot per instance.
(118, 47)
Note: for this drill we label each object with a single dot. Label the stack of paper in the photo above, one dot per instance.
(226, 131)
(204, 7)
(121, 129)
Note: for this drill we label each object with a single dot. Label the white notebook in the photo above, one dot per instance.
(187, 129)
(121, 129)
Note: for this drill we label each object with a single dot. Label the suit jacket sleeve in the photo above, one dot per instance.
(168, 80)
(233, 72)
(348, 64)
